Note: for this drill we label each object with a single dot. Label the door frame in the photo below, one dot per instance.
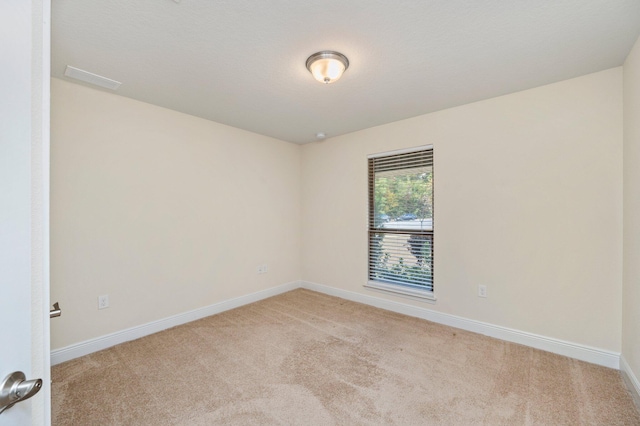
(40, 195)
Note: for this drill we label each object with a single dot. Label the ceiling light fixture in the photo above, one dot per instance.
(327, 66)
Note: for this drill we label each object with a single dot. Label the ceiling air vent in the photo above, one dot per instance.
(91, 78)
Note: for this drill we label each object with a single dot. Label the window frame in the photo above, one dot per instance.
(405, 290)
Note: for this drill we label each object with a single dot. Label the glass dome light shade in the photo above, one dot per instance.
(327, 66)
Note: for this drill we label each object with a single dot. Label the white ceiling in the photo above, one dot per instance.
(242, 62)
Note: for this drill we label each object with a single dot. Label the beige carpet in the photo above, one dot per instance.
(310, 359)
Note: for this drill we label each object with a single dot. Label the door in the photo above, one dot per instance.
(24, 140)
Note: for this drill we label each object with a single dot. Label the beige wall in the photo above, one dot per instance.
(631, 286)
(162, 211)
(528, 201)
(167, 212)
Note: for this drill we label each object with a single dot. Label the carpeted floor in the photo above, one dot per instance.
(310, 359)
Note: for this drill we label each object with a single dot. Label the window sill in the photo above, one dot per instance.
(413, 293)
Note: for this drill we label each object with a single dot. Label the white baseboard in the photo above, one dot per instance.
(93, 345)
(573, 350)
(631, 379)
(557, 346)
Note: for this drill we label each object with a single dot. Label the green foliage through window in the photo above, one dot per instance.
(407, 193)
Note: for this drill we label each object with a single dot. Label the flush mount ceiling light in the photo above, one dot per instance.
(327, 66)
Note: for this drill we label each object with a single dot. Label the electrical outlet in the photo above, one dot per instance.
(103, 301)
(262, 269)
(482, 291)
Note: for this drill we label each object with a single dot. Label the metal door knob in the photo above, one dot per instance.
(15, 388)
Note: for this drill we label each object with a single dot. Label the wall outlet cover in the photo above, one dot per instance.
(482, 291)
(103, 301)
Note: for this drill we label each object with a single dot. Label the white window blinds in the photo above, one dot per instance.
(401, 219)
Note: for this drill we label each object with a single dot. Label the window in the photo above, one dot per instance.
(401, 222)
